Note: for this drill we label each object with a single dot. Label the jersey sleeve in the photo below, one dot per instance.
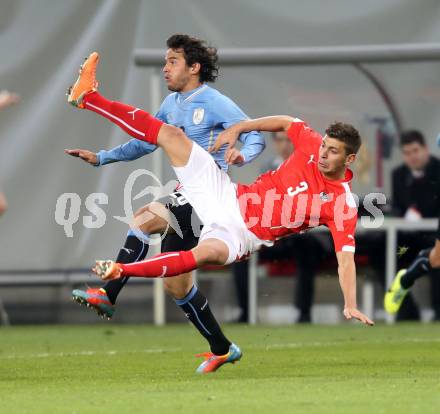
(225, 112)
(303, 137)
(130, 151)
(253, 145)
(343, 234)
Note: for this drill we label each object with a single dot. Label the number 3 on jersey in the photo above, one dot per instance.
(298, 189)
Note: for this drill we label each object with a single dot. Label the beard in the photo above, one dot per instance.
(172, 88)
(179, 84)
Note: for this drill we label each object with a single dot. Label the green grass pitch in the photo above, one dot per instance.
(291, 369)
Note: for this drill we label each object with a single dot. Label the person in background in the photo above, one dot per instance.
(6, 99)
(425, 262)
(415, 195)
(3, 203)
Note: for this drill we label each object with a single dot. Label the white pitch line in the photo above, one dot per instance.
(266, 347)
(87, 353)
(342, 343)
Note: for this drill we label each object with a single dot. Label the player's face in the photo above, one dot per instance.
(333, 159)
(415, 156)
(177, 73)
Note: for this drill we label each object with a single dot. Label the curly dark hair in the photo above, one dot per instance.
(196, 51)
(346, 133)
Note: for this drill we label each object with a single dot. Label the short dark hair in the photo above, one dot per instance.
(411, 136)
(346, 133)
(196, 51)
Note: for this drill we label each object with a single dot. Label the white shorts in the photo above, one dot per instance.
(213, 196)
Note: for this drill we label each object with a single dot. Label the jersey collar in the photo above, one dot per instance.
(347, 178)
(188, 96)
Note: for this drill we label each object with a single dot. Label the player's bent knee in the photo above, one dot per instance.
(211, 251)
(176, 145)
(170, 134)
(151, 218)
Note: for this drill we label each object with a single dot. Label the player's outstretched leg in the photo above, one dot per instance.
(404, 280)
(84, 94)
(195, 306)
(95, 298)
(134, 121)
(103, 299)
(213, 362)
(149, 219)
(86, 81)
(395, 294)
(211, 251)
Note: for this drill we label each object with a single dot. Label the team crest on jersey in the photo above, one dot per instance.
(198, 115)
(323, 196)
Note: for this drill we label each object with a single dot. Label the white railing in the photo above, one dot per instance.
(327, 55)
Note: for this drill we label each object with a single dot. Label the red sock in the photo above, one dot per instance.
(161, 265)
(134, 121)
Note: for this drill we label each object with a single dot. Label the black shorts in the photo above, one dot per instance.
(188, 222)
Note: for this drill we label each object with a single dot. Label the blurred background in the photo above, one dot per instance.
(42, 43)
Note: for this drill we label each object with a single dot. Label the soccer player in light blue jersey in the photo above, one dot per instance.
(202, 112)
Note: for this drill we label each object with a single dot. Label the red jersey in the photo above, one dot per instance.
(296, 196)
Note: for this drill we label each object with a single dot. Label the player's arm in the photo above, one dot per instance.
(343, 228)
(226, 114)
(7, 99)
(3, 203)
(129, 151)
(253, 145)
(347, 280)
(268, 123)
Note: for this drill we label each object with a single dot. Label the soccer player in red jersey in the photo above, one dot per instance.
(311, 188)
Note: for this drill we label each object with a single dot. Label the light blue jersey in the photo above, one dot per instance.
(202, 114)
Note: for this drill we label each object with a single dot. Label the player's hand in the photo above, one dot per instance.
(227, 137)
(233, 156)
(8, 98)
(87, 156)
(351, 313)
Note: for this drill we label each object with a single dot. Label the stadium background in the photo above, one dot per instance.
(89, 365)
